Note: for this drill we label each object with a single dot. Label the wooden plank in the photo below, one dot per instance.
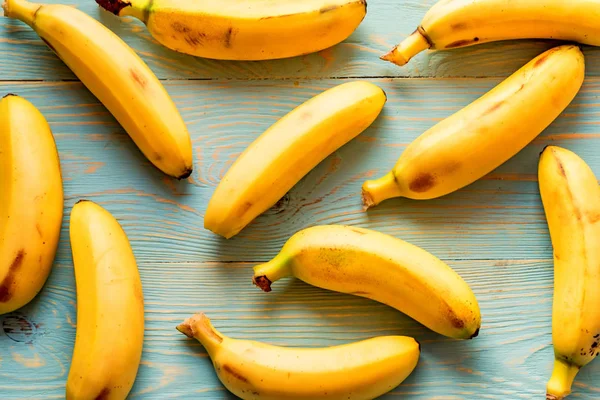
(498, 217)
(511, 359)
(25, 57)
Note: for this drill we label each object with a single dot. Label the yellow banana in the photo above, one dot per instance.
(245, 30)
(571, 198)
(288, 150)
(31, 202)
(258, 371)
(117, 77)
(380, 267)
(110, 307)
(451, 24)
(475, 140)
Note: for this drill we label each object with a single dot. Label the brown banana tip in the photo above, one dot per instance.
(186, 174)
(186, 329)
(8, 95)
(552, 397)
(418, 344)
(367, 200)
(475, 334)
(82, 201)
(113, 6)
(262, 282)
(544, 149)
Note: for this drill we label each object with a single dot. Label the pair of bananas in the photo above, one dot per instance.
(110, 304)
(356, 261)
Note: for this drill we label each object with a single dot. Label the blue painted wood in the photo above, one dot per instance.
(25, 57)
(492, 232)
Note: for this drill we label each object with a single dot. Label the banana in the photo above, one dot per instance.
(110, 307)
(245, 30)
(475, 140)
(288, 150)
(380, 267)
(112, 71)
(451, 24)
(571, 198)
(258, 371)
(31, 202)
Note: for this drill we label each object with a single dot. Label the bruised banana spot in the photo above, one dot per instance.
(39, 230)
(541, 60)
(227, 40)
(9, 279)
(138, 77)
(462, 43)
(193, 38)
(231, 371)
(422, 183)
(458, 26)
(593, 217)
(245, 207)
(493, 108)
(103, 394)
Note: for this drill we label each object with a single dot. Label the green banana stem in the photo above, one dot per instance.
(267, 273)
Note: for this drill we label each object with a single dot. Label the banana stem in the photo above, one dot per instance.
(563, 375)
(378, 190)
(22, 10)
(408, 48)
(272, 271)
(200, 328)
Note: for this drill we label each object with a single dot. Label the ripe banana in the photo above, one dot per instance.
(475, 140)
(571, 198)
(380, 267)
(288, 150)
(31, 202)
(451, 24)
(110, 307)
(258, 371)
(245, 30)
(117, 77)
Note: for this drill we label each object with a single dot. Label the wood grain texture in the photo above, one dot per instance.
(511, 359)
(25, 57)
(498, 217)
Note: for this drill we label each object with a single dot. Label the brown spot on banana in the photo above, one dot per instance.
(326, 9)
(138, 77)
(462, 43)
(9, 280)
(459, 26)
(493, 108)
(103, 394)
(231, 371)
(422, 183)
(227, 40)
(39, 230)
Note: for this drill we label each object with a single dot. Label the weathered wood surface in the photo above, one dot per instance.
(25, 57)
(493, 232)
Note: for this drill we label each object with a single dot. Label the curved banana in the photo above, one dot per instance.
(380, 267)
(110, 307)
(258, 371)
(482, 136)
(460, 23)
(31, 202)
(288, 150)
(112, 71)
(571, 198)
(245, 30)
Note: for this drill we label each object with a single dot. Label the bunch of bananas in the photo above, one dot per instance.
(449, 156)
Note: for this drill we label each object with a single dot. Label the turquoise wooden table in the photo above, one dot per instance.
(493, 232)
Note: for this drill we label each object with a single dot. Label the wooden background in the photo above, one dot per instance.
(492, 232)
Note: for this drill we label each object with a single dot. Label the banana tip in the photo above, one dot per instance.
(186, 174)
(186, 328)
(113, 6)
(553, 397)
(475, 334)
(9, 95)
(262, 282)
(394, 57)
(367, 200)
